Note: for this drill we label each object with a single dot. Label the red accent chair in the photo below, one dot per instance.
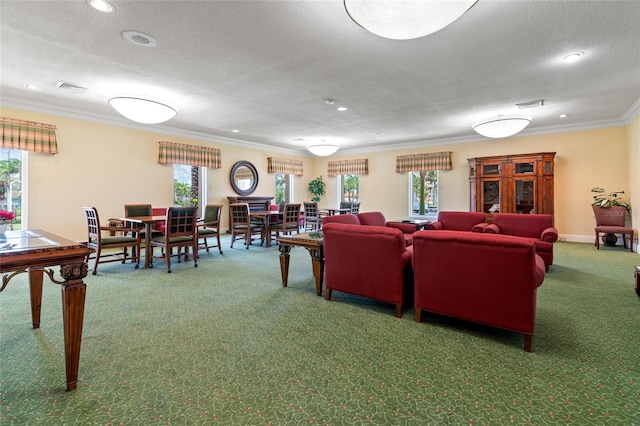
(460, 221)
(611, 220)
(378, 219)
(368, 261)
(483, 278)
(538, 227)
(349, 219)
(159, 211)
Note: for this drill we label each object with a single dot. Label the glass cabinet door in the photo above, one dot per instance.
(491, 196)
(525, 196)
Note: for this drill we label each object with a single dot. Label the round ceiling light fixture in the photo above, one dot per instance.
(323, 148)
(573, 57)
(405, 19)
(142, 110)
(502, 126)
(139, 39)
(102, 6)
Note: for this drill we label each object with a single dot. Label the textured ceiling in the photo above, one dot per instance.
(265, 68)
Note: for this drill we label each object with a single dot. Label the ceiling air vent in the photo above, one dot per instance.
(71, 87)
(531, 104)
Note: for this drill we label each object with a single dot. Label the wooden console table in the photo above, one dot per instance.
(35, 250)
(312, 241)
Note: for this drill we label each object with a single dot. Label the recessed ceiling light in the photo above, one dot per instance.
(564, 115)
(236, 131)
(140, 39)
(341, 108)
(573, 57)
(31, 87)
(102, 6)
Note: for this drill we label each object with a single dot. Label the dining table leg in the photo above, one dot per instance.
(148, 262)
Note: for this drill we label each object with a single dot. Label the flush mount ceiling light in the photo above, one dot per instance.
(405, 19)
(139, 39)
(142, 110)
(323, 148)
(102, 6)
(502, 126)
(573, 57)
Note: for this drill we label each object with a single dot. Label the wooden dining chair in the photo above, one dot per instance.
(242, 226)
(181, 232)
(135, 210)
(209, 226)
(290, 221)
(312, 218)
(118, 240)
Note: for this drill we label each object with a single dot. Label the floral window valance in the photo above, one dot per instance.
(191, 155)
(424, 162)
(28, 136)
(285, 166)
(348, 167)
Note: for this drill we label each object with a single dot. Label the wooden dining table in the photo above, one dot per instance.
(35, 252)
(334, 211)
(148, 222)
(268, 217)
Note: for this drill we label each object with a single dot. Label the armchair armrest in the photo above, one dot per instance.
(434, 225)
(480, 227)
(406, 228)
(492, 229)
(549, 235)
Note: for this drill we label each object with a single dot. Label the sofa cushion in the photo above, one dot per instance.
(459, 221)
(350, 219)
(372, 218)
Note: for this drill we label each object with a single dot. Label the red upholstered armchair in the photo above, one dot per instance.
(378, 219)
(349, 219)
(368, 261)
(538, 227)
(460, 221)
(484, 278)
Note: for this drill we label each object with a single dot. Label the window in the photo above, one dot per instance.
(424, 193)
(350, 188)
(187, 190)
(284, 188)
(11, 199)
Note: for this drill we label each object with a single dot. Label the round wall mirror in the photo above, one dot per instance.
(244, 178)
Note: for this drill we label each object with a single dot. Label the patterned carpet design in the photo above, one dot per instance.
(226, 344)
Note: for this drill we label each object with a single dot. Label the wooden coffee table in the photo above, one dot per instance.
(312, 241)
(418, 223)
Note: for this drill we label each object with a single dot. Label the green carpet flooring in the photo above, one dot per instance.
(225, 344)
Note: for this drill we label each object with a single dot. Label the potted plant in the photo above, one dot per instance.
(608, 205)
(317, 188)
(606, 199)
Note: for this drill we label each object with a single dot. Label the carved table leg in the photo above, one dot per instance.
(317, 263)
(284, 263)
(35, 289)
(73, 298)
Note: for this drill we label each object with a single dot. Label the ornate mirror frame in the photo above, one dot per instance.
(235, 173)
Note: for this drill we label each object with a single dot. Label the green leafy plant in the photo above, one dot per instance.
(317, 188)
(608, 199)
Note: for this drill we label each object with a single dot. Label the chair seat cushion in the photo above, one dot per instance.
(118, 239)
(173, 240)
(206, 231)
(614, 230)
(245, 227)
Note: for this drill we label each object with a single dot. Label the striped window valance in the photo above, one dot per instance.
(424, 162)
(191, 155)
(28, 136)
(359, 166)
(285, 166)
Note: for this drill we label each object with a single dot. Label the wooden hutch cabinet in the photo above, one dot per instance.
(511, 184)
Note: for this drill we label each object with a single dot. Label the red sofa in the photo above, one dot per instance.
(483, 278)
(537, 227)
(460, 221)
(349, 219)
(368, 261)
(378, 219)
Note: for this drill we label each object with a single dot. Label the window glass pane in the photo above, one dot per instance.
(11, 185)
(281, 188)
(187, 190)
(350, 188)
(424, 193)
